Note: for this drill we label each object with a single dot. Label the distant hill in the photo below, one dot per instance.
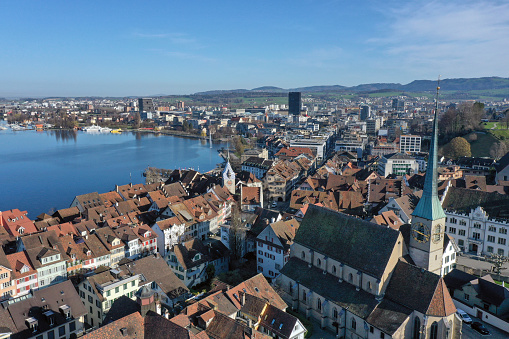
(460, 84)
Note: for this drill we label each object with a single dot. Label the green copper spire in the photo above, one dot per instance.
(429, 207)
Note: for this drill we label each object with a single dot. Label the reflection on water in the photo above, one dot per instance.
(65, 134)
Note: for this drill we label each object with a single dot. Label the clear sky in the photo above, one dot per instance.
(122, 48)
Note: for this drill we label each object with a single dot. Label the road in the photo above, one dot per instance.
(469, 333)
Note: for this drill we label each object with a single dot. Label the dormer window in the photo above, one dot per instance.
(21, 230)
(32, 324)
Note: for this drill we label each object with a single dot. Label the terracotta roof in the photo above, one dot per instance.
(259, 287)
(250, 195)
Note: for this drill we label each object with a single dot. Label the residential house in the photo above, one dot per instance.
(7, 283)
(46, 254)
(99, 291)
(86, 201)
(169, 232)
(113, 243)
(17, 223)
(281, 179)
(273, 246)
(257, 166)
(250, 198)
(189, 260)
(53, 312)
(155, 273)
(23, 275)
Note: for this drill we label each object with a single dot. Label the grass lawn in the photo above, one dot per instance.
(481, 146)
(502, 134)
(307, 323)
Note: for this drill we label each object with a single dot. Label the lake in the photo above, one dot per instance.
(45, 170)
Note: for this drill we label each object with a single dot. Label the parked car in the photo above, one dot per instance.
(274, 204)
(464, 316)
(480, 328)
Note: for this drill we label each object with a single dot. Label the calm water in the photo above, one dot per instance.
(46, 170)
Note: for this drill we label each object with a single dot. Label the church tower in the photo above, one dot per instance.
(428, 218)
(229, 177)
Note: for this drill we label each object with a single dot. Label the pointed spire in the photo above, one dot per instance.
(429, 206)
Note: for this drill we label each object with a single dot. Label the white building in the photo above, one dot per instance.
(398, 164)
(409, 144)
(169, 233)
(273, 246)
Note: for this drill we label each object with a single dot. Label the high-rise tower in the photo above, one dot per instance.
(428, 218)
(294, 103)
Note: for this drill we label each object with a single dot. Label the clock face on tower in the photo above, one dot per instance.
(438, 231)
(229, 183)
(420, 232)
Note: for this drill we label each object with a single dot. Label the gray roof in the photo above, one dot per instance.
(463, 200)
(360, 303)
(347, 239)
(389, 316)
(47, 299)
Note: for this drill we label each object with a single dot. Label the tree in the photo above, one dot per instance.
(236, 236)
(211, 271)
(458, 147)
(472, 136)
(239, 146)
(137, 120)
(498, 149)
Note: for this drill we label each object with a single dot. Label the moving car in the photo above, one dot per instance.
(464, 316)
(480, 328)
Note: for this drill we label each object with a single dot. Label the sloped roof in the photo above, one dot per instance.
(464, 200)
(343, 294)
(347, 239)
(388, 316)
(426, 293)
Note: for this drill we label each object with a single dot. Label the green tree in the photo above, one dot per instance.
(458, 147)
(211, 271)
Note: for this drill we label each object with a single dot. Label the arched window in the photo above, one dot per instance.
(319, 305)
(319, 262)
(303, 255)
(350, 277)
(417, 328)
(334, 269)
(335, 313)
(354, 324)
(433, 332)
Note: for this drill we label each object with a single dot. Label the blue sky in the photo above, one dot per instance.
(121, 48)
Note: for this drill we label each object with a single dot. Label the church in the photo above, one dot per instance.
(362, 280)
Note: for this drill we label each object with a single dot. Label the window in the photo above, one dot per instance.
(354, 324)
(502, 230)
(461, 242)
(490, 249)
(260, 260)
(461, 232)
(492, 229)
(61, 331)
(453, 220)
(433, 333)
(382, 335)
(108, 293)
(318, 262)
(350, 277)
(335, 313)
(491, 238)
(501, 241)
(304, 296)
(90, 300)
(500, 251)
(452, 230)
(477, 225)
(417, 328)
(476, 236)
(303, 255)
(132, 283)
(334, 269)
(117, 289)
(369, 285)
(51, 334)
(125, 287)
(463, 223)
(467, 297)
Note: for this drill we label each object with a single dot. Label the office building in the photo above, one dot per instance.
(294, 103)
(146, 104)
(410, 144)
(365, 112)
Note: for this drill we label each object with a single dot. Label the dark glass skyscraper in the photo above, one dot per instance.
(294, 103)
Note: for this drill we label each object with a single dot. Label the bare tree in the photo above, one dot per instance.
(498, 149)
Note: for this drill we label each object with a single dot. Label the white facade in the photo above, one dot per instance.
(397, 166)
(169, 237)
(270, 253)
(410, 144)
(477, 232)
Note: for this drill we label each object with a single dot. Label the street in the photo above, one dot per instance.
(469, 332)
